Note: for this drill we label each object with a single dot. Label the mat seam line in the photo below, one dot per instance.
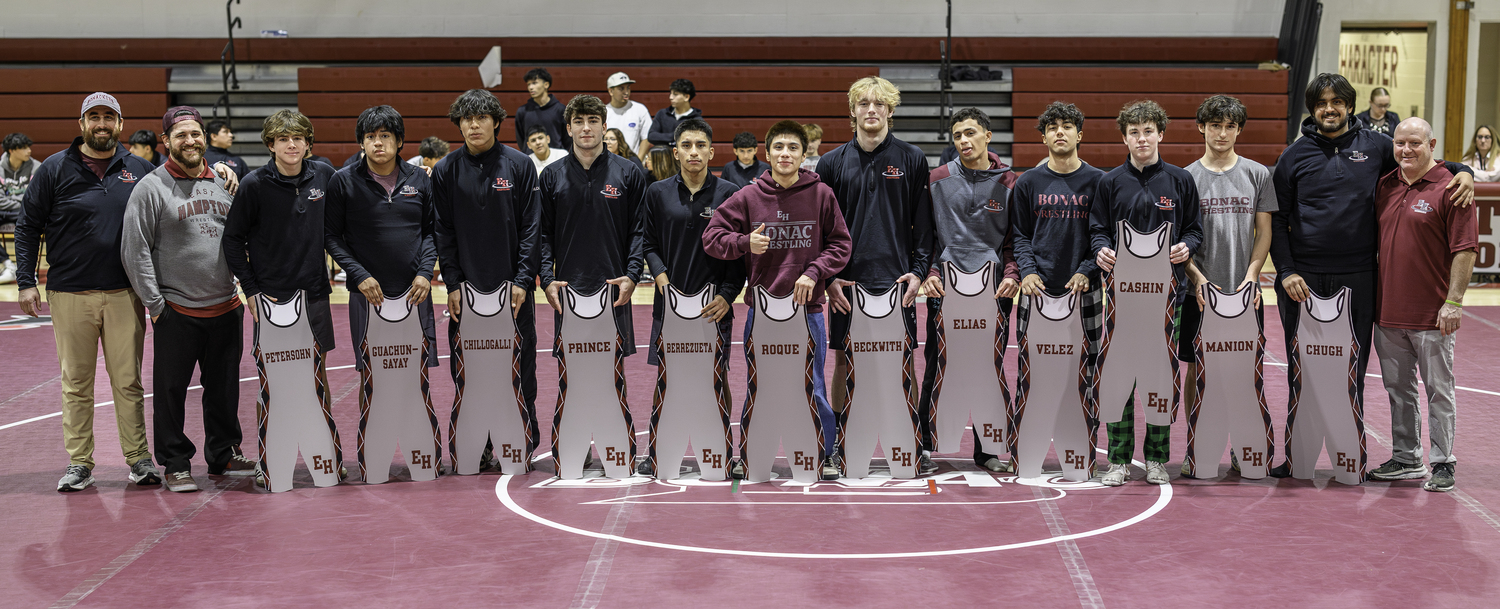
(1464, 499)
(1072, 556)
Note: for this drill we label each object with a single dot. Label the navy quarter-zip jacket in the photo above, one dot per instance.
(673, 239)
(742, 176)
(591, 222)
(80, 216)
(883, 196)
(274, 235)
(1162, 192)
(664, 125)
(487, 215)
(549, 117)
(1050, 224)
(373, 234)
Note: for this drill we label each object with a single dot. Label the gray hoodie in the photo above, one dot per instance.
(13, 183)
(171, 241)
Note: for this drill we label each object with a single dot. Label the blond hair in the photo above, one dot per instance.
(884, 91)
(285, 123)
(814, 132)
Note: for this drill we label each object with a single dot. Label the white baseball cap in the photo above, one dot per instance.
(100, 99)
(617, 79)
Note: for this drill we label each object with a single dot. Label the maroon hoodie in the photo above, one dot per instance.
(807, 231)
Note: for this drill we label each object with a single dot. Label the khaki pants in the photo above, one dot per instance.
(81, 321)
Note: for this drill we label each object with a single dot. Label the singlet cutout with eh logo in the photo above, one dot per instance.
(1052, 399)
(1138, 356)
(292, 409)
(394, 404)
(591, 400)
(780, 409)
(487, 403)
(878, 404)
(692, 392)
(1323, 407)
(970, 380)
(1230, 402)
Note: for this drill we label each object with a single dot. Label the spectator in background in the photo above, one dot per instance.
(143, 144)
(1379, 117)
(629, 117)
(1480, 157)
(220, 138)
(431, 150)
(745, 167)
(542, 152)
(814, 142)
(680, 94)
(615, 143)
(542, 110)
(661, 164)
(310, 157)
(16, 168)
(354, 159)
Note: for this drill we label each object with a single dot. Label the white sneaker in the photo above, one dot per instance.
(1116, 476)
(8, 272)
(340, 276)
(1156, 473)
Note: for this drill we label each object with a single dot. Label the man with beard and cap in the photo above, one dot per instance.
(77, 201)
(172, 251)
(1324, 234)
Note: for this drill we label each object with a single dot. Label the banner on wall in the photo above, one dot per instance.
(1393, 59)
(1487, 201)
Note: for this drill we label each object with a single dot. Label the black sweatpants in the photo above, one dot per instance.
(213, 345)
(1361, 307)
(929, 376)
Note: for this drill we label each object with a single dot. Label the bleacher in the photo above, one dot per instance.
(43, 103)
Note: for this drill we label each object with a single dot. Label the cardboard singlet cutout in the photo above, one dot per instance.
(293, 406)
(487, 402)
(780, 409)
(591, 402)
(1051, 391)
(1137, 353)
(1229, 351)
(691, 401)
(878, 404)
(394, 405)
(970, 380)
(1321, 376)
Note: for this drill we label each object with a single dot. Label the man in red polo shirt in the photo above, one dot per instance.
(1427, 249)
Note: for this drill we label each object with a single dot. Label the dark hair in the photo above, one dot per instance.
(1060, 111)
(536, 73)
(476, 102)
(684, 86)
(974, 114)
(625, 151)
(787, 127)
(535, 129)
(377, 118)
(663, 164)
(692, 124)
(1377, 92)
(216, 125)
(583, 105)
(17, 141)
(143, 137)
(1222, 108)
(744, 139)
(1342, 90)
(433, 147)
(1142, 112)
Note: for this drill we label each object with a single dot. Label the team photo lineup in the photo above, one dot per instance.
(1120, 296)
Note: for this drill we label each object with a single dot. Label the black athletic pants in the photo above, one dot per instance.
(1361, 307)
(213, 345)
(929, 376)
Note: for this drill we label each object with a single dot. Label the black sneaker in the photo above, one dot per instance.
(1396, 470)
(925, 465)
(645, 468)
(1281, 471)
(737, 469)
(144, 473)
(831, 469)
(487, 461)
(1442, 478)
(76, 478)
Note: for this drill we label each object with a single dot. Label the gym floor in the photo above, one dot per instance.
(531, 541)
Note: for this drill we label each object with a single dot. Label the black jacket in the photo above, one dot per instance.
(1162, 192)
(884, 199)
(549, 117)
(214, 154)
(674, 220)
(664, 124)
(273, 237)
(741, 176)
(1391, 120)
(1325, 190)
(386, 236)
(487, 217)
(591, 221)
(1049, 218)
(80, 217)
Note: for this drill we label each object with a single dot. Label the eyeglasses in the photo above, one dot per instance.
(1483, 137)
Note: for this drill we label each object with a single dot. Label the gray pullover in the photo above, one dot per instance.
(171, 242)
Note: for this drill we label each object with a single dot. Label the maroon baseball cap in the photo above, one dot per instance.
(177, 114)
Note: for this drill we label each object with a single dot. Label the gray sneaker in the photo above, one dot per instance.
(144, 473)
(830, 469)
(181, 482)
(994, 464)
(76, 478)
(1396, 470)
(1442, 478)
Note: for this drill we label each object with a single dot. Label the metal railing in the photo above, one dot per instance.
(226, 61)
(945, 78)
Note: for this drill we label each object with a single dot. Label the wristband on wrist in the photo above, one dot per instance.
(1456, 304)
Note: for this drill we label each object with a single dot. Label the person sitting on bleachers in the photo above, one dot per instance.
(814, 142)
(1481, 156)
(745, 167)
(660, 164)
(542, 152)
(680, 94)
(432, 150)
(143, 144)
(16, 167)
(615, 143)
(542, 110)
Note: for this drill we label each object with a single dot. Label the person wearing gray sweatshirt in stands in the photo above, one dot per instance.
(171, 250)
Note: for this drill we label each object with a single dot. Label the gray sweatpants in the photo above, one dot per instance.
(1402, 354)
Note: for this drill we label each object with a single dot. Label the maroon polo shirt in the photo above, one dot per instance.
(1420, 231)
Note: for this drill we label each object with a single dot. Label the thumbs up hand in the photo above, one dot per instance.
(759, 242)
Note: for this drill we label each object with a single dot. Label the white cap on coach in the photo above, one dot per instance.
(100, 99)
(617, 79)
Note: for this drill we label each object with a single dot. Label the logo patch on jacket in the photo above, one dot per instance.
(501, 184)
(708, 212)
(409, 191)
(610, 191)
(1357, 156)
(1421, 207)
(127, 177)
(893, 173)
(993, 205)
(314, 194)
(1165, 203)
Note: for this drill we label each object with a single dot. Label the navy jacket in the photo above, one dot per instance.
(1049, 217)
(1325, 188)
(486, 217)
(664, 124)
(80, 217)
(273, 237)
(591, 222)
(673, 238)
(386, 236)
(1162, 192)
(883, 195)
(741, 176)
(214, 154)
(1391, 118)
(549, 117)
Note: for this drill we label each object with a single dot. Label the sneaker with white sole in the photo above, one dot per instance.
(830, 469)
(1117, 475)
(144, 473)
(737, 469)
(76, 478)
(998, 466)
(1442, 478)
(238, 466)
(925, 465)
(1396, 470)
(8, 272)
(1156, 473)
(181, 482)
